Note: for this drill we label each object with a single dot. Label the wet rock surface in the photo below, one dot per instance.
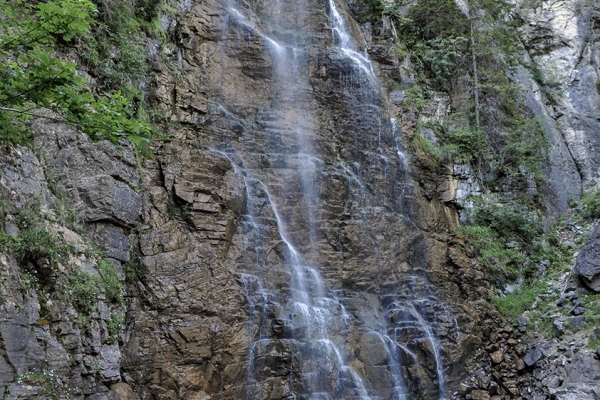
(289, 166)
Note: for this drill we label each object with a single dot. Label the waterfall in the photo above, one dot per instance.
(327, 232)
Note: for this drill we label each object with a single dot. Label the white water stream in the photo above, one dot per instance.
(294, 314)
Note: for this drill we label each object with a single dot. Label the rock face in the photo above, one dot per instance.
(284, 245)
(281, 236)
(194, 325)
(561, 39)
(588, 262)
(47, 348)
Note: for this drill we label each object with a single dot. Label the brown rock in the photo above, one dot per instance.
(497, 356)
(480, 395)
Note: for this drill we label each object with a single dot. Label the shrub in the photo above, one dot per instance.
(84, 287)
(83, 291)
(32, 78)
(34, 241)
(113, 288)
(514, 304)
(509, 221)
(590, 202)
(114, 324)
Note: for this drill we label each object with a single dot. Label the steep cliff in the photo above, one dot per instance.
(298, 235)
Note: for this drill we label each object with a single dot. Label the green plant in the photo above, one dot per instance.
(132, 268)
(514, 304)
(33, 79)
(83, 291)
(114, 324)
(492, 251)
(509, 240)
(498, 131)
(113, 287)
(84, 287)
(590, 202)
(44, 379)
(176, 210)
(415, 97)
(34, 241)
(93, 251)
(27, 281)
(509, 220)
(457, 143)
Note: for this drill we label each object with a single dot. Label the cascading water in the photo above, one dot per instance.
(333, 310)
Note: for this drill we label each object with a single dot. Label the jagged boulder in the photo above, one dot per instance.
(582, 379)
(587, 267)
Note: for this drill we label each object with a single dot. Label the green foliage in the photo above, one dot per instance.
(497, 129)
(514, 304)
(132, 268)
(34, 241)
(83, 291)
(439, 57)
(590, 203)
(458, 143)
(118, 61)
(84, 287)
(500, 260)
(93, 251)
(598, 86)
(509, 241)
(114, 324)
(27, 281)
(509, 221)
(46, 380)
(433, 150)
(525, 146)
(428, 20)
(415, 97)
(32, 78)
(113, 288)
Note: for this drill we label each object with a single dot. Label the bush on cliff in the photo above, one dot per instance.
(34, 80)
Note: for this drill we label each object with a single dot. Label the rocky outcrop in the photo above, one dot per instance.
(561, 40)
(285, 244)
(190, 317)
(587, 267)
(49, 349)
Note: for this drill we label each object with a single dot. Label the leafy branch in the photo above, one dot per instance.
(32, 78)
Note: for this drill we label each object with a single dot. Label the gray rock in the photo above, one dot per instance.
(109, 363)
(22, 177)
(571, 295)
(532, 356)
(112, 240)
(578, 310)
(561, 302)
(576, 392)
(397, 97)
(523, 320)
(551, 382)
(587, 267)
(576, 322)
(109, 200)
(558, 328)
(121, 391)
(582, 379)
(6, 374)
